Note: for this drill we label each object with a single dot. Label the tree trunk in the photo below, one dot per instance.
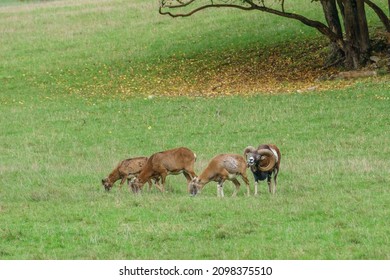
(356, 32)
(332, 18)
(352, 54)
(364, 36)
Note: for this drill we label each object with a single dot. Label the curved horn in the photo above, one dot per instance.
(249, 149)
(271, 162)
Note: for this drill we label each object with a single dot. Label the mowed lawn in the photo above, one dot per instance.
(70, 112)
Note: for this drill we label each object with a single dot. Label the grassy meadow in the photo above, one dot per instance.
(85, 84)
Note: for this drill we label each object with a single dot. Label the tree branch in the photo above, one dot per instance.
(180, 5)
(201, 8)
(382, 16)
(322, 28)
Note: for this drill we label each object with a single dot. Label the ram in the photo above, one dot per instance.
(221, 168)
(162, 164)
(264, 163)
(127, 169)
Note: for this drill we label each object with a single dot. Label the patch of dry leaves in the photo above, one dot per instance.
(282, 69)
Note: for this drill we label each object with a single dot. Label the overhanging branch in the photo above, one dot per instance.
(250, 6)
(382, 16)
(200, 9)
(180, 5)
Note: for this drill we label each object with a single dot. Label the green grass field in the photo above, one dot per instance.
(85, 84)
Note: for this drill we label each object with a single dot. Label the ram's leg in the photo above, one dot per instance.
(220, 189)
(275, 181)
(130, 185)
(161, 187)
(189, 178)
(237, 184)
(122, 182)
(269, 183)
(222, 194)
(157, 183)
(190, 172)
(246, 181)
(256, 187)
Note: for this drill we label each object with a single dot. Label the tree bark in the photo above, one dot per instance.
(332, 16)
(333, 20)
(364, 36)
(352, 54)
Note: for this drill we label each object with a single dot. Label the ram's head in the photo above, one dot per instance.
(263, 159)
